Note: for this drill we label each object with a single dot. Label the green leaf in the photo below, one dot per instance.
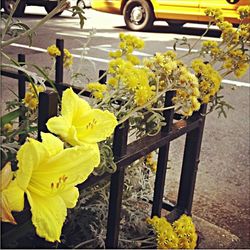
(10, 116)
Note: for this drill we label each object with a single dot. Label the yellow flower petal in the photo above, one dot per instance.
(48, 215)
(72, 138)
(96, 126)
(58, 125)
(73, 106)
(65, 170)
(70, 197)
(5, 211)
(79, 123)
(14, 197)
(6, 175)
(52, 143)
(29, 156)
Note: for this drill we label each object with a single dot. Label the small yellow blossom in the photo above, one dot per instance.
(133, 59)
(8, 127)
(53, 51)
(215, 13)
(67, 59)
(143, 94)
(97, 89)
(113, 82)
(151, 162)
(244, 11)
(115, 54)
(31, 96)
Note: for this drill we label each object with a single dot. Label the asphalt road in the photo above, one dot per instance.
(223, 181)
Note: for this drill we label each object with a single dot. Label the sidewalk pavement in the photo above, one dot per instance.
(214, 237)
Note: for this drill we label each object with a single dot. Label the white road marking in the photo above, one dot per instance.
(236, 83)
(79, 35)
(28, 47)
(182, 49)
(226, 81)
(106, 49)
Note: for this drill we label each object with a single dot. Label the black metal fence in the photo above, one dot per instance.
(125, 154)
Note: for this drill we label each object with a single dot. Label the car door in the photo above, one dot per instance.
(177, 9)
(228, 8)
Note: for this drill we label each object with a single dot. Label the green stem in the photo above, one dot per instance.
(35, 27)
(9, 19)
(162, 109)
(196, 42)
(143, 106)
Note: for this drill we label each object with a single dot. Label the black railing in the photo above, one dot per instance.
(125, 154)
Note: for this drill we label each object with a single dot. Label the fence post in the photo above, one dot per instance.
(162, 158)
(21, 90)
(59, 65)
(102, 76)
(190, 163)
(47, 108)
(116, 187)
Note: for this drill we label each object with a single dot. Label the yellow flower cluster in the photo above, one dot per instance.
(237, 61)
(229, 34)
(211, 47)
(97, 89)
(185, 230)
(187, 93)
(244, 12)
(173, 74)
(209, 79)
(180, 235)
(233, 57)
(151, 162)
(215, 13)
(164, 65)
(124, 73)
(127, 45)
(31, 99)
(53, 51)
(67, 59)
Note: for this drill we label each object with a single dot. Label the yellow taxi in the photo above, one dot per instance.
(140, 14)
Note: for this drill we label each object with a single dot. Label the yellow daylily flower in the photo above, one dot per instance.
(6, 176)
(48, 174)
(79, 123)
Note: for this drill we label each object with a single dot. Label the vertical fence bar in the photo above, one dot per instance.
(47, 108)
(116, 187)
(102, 76)
(190, 163)
(21, 79)
(162, 158)
(59, 65)
(21, 90)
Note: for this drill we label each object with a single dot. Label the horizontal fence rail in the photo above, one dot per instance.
(125, 154)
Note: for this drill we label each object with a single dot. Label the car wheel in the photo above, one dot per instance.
(50, 6)
(8, 6)
(80, 4)
(138, 15)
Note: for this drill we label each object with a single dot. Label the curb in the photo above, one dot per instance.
(212, 236)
